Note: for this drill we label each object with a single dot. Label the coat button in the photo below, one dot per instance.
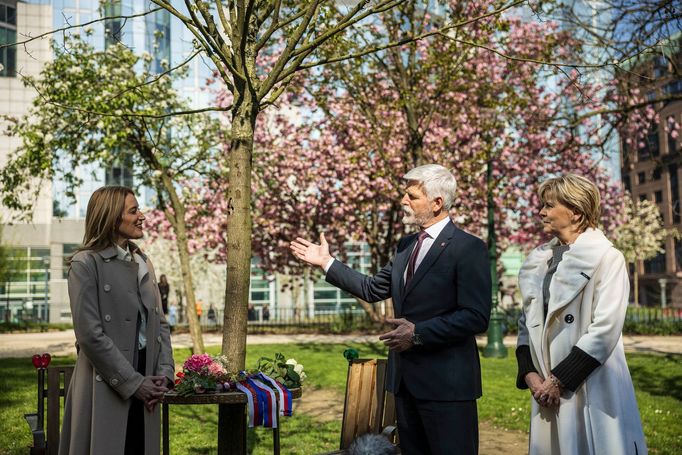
(98, 378)
(107, 288)
(107, 260)
(114, 382)
(107, 318)
(569, 318)
(158, 338)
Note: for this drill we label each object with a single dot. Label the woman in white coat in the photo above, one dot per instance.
(570, 350)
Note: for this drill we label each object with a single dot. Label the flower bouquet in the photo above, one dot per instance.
(203, 373)
(289, 372)
(266, 387)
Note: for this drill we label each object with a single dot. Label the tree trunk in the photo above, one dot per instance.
(369, 309)
(180, 228)
(190, 301)
(238, 257)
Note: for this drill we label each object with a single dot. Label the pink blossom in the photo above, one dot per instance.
(197, 363)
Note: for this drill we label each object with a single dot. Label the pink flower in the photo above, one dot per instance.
(216, 369)
(197, 362)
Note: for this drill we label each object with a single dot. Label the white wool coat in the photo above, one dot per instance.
(591, 284)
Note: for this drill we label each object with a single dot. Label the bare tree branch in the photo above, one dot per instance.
(69, 27)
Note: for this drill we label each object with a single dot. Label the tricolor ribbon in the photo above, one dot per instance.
(252, 405)
(268, 402)
(262, 404)
(285, 398)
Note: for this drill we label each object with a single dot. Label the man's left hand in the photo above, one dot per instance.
(400, 338)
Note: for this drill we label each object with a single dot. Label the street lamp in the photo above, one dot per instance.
(663, 282)
(495, 346)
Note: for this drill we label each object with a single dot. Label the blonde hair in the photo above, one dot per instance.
(577, 193)
(103, 217)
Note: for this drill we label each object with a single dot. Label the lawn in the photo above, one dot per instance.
(657, 382)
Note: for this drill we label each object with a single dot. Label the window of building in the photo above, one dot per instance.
(656, 174)
(8, 13)
(658, 196)
(113, 28)
(660, 66)
(655, 265)
(26, 292)
(67, 252)
(673, 88)
(120, 173)
(678, 254)
(626, 183)
(158, 39)
(8, 35)
(641, 177)
(642, 197)
(652, 144)
(672, 144)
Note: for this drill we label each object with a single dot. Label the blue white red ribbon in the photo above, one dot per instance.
(263, 405)
(268, 403)
(285, 398)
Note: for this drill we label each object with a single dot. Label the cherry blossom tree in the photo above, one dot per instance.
(332, 156)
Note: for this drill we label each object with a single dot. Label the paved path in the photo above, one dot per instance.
(62, 343)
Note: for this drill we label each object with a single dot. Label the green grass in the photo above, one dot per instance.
(657, 383)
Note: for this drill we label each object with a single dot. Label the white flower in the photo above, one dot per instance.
(302, 376)
(298, 369)
(291, 362)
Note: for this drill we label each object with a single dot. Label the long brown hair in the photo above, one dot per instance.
(103, 217)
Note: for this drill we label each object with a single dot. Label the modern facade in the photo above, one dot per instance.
(653, 169)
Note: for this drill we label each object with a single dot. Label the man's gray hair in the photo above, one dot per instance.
(371, 444)
(437, 181)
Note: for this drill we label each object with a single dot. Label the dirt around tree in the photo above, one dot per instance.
(325, 405)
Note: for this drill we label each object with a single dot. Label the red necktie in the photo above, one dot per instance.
(413, 257)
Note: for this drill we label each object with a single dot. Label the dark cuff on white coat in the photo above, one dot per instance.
(574, 369)
(525, 363)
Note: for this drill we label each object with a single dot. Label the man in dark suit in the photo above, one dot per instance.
(439, 281)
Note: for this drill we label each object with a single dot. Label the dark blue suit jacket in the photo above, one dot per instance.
(448, 300)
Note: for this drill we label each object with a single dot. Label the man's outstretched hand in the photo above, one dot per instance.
(310, 252)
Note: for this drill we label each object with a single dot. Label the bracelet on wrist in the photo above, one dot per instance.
(555, 381)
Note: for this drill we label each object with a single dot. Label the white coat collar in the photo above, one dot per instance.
(575, 270)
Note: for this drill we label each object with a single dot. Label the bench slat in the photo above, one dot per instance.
(55, 390)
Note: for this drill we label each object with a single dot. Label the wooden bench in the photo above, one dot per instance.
(58, 379)
(368, 408)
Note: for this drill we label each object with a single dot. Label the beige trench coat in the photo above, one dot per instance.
(105, 299)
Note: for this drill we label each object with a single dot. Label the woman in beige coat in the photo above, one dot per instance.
(125, 362)
(570, 350)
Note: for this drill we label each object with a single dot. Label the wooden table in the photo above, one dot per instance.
(231, 419)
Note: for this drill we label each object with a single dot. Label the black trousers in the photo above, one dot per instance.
(135, 427)
(436, 427)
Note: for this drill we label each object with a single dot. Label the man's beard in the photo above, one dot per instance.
(411, 219)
